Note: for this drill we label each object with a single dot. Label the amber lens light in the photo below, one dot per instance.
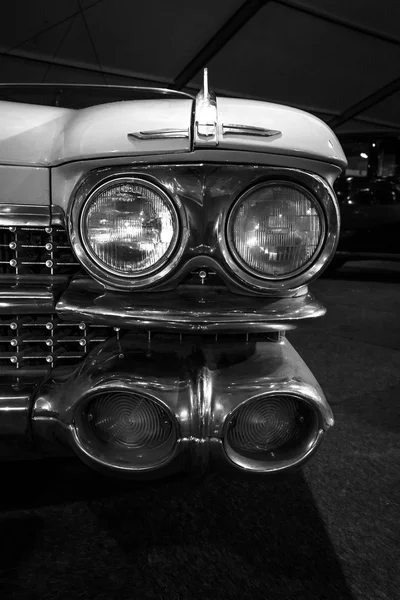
(126, 428)
(275, 229)
(130, 227)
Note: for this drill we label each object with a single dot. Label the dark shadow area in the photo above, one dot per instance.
(380, 410)
(379, 271)
(67, 529)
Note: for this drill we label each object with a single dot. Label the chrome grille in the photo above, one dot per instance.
(46, 341)
(36, 251)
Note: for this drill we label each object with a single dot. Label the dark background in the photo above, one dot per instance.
(338, 59)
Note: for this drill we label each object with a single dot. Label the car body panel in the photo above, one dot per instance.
(301, 134)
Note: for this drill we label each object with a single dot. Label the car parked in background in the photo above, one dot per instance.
(369, 196)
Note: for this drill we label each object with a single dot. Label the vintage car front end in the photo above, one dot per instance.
(153, 255)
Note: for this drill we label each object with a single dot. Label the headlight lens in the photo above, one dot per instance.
(130, 226)
(275, 229)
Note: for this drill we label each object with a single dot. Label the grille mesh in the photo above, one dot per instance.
(36, 251)
(45, 340)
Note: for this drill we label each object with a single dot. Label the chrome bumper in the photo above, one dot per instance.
(199, 380)
(196, 311)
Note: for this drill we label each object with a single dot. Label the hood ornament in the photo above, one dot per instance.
(207, 130)
(206, 120)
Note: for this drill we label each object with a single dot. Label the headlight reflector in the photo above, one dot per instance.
(130, 226)
(275, 229)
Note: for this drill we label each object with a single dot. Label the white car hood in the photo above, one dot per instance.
(42, 136)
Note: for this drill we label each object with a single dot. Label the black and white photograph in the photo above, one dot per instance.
(200, 300)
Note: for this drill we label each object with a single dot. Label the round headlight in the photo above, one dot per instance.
(129, 226)
(275, 229)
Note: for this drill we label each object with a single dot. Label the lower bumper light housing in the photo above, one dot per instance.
(272, 432)
(124, 429)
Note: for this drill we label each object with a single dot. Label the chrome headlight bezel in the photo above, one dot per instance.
(87, 191)
(323, 197)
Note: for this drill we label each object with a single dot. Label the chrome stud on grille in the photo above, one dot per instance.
(44, 341)
(34, 250)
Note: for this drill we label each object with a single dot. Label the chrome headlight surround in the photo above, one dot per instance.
(94, 184)
(324, 199)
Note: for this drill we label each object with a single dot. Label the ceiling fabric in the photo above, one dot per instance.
(338, 59)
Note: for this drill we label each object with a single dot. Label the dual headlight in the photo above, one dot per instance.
(131, 229)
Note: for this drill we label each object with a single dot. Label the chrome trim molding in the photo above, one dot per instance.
(249, 130)
(57, 216)
(160, 134)
(87, 301)
(27, 298)
(59, 87)
(24, 215)
(15, 407)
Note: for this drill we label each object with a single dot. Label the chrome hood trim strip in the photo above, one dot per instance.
(31, 215)
(24, 215)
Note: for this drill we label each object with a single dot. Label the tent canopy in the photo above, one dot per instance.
(337, 59)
